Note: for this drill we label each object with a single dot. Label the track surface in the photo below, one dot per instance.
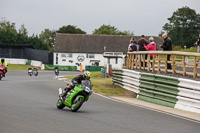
(28, 105)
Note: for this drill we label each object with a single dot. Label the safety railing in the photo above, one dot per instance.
(141, 60)
(160, 89)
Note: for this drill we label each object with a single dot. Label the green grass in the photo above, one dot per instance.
(104, 85)
(18, 67)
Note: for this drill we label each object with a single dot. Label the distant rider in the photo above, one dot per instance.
(77, 80)
(35, 69)
(4, 63)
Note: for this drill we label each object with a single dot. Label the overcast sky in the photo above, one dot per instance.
(140, 16)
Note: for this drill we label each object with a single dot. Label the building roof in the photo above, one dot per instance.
(82, 43)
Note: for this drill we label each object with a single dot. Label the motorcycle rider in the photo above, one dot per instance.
(56, 70)
(4, 63)
(35, 69)
(77, 80)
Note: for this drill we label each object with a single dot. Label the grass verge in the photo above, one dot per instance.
(104, 86)
(18, 67)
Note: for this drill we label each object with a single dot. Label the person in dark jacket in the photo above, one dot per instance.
(167, 46)
(77, 80)
(140, 47)
(132, 47)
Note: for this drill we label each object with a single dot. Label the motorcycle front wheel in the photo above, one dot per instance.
(77, 104)
(60, 104)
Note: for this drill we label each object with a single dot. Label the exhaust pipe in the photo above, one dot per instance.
(60, 91)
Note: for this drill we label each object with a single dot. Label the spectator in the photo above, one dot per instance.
(140, 47)
(151, 47)
(198, 45)
(167, 46)
(132, 47)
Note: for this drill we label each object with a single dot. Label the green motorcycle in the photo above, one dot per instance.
(75, 97)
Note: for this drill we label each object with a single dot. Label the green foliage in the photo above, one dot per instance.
(10, 36)
(8, 33)
(111, 30)
(104, 85)
(71, 30)
(176, 48)
(161, 33)
(48, 37)
(183, 27)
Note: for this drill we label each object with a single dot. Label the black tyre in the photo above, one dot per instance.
(0, 76)
(60, 104)
(77, 104)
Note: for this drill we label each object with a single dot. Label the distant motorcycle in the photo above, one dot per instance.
(35, 72)
(30, 72)
(56, 71)
(2, 71)
(75, 97)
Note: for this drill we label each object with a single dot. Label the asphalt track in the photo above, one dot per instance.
(28, 105)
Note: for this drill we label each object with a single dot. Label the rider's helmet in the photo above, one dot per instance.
(2, 60)
(87, 75)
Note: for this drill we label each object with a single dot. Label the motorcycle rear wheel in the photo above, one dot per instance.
(0, 76)
(60, 104)
(77, 104)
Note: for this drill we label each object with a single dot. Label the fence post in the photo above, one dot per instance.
(143, 61)
(158, 63)
(195, 67)
(173, 65)
(166, 63)
(184, 66)
(140, 60)
(148, 62)
(153, 63)
(132, 61)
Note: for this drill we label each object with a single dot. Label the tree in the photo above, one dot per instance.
(161, 33)
(48, 37)
(71, 30)
(129, 33)
(110, 30)
(107, 30)
(183, 27)
(8, 33)
(22, 36)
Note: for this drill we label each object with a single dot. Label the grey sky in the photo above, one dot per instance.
(140, 16)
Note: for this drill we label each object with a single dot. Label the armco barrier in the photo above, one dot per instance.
(23, 62)
(93, 68)
(103, 72)
(16, 61)
(117, 77)
(163, 90)
(61, 68)
(131, 80)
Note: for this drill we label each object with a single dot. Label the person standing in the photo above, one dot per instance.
(151, 47)
(140, 47)
(167, 46)
(132, 47)
(198, 45)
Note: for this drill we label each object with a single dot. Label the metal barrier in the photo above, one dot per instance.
(163, 90)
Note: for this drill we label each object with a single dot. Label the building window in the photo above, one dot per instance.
(66, 55)
(90, 56)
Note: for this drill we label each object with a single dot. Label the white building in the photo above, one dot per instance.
(73, 49)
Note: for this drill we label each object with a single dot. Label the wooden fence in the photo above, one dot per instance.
(136, 60)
